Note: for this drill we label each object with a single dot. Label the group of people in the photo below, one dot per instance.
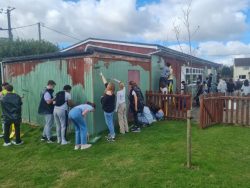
(60, 108)
(228, 87)
(232, 88)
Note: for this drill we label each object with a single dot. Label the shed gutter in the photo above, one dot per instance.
(45, 56)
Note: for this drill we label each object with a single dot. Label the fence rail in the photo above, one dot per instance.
(217, 109)
(174, 106)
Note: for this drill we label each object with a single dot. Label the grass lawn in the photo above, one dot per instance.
(153, 158)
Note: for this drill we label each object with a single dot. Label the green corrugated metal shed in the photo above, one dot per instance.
(29, 76)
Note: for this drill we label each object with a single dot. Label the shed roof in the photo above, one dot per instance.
(90, 51)
(156, 47)
(238, 62)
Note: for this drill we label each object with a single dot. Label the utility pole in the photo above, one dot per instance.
(39, 31)
(8, 12)
(9, 9)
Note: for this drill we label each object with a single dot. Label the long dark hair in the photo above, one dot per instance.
(246, 82)
(91, 104)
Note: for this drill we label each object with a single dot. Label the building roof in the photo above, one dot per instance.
(135, 44)
(242, 62)
(91, 50)
(159, 49)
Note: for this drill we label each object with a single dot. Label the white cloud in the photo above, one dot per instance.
(223, 20)
(120, 19)
(217, 51)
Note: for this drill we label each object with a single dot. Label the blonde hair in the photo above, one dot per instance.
(121, 85)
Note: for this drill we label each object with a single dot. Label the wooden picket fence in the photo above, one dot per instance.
(174, 106)
(217, 108)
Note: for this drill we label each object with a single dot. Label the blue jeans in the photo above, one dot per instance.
(80, 126)
(110, 123)
(159, 115)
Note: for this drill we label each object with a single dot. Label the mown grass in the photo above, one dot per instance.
(153, 158)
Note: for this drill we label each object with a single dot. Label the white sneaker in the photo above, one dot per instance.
(77, 147)
(85, 146)
(17, 144)
(50, 141)
(6, 144)
(65, 142)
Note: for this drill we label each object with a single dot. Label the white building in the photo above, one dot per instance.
(242, 68)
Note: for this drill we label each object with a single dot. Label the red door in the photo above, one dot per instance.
(134, 75)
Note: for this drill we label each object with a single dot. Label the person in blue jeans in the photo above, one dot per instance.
(77, 115)
(108, 106)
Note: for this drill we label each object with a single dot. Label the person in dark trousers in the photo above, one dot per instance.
(136, 104)
(238, 86)
(62, 103)
(209, 83)
(12, 114)
(108, 106)
(46, 108)
(198, 93)
(230, 87)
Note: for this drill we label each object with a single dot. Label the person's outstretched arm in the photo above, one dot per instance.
(103, 79)
(116, 80)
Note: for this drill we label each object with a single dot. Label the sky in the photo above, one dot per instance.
(219, 29)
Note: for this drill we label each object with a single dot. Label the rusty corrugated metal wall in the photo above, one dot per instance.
(29, 79)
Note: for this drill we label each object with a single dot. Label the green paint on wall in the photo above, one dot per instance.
(118, 70)
(31, 85)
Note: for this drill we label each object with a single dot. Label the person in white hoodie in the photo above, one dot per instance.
(121, 108)
(245, 89)
(222, 86)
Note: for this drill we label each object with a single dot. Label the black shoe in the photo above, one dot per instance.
(136, 130)
(110, 139)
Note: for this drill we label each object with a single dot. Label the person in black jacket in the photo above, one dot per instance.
(136, 104)
(46, 108)
(12, 114)
(230, 87)
(108, 106)
(198, 93)
(209, 82)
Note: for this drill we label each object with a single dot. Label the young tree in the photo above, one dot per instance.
(188, 61)
(185, 20)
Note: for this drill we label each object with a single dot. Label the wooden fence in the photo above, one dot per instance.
(217, 108)
(174, 106)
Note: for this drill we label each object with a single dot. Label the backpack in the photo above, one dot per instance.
(60, 98)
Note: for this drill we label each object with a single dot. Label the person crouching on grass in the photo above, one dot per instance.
(108, 106)
(12, 113)
(77, 115)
